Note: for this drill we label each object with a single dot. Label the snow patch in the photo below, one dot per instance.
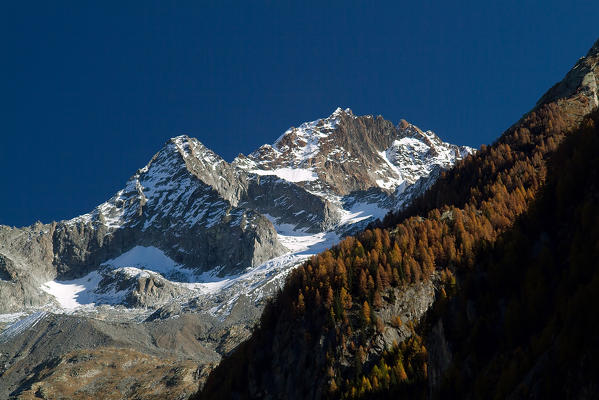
(252, 282)
(74, 293)
(143, 257)
(151, 259)
(289, 174)
(362, 211)
(298, 241)
(389, 181)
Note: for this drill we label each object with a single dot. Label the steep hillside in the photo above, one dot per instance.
(524, 324)
(349, 322)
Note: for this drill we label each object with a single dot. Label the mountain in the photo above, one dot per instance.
(343, 154)
(179, 263)
(448, 297)
(207, 215)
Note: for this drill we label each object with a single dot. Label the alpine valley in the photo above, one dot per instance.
(353, 258)
(142, 296)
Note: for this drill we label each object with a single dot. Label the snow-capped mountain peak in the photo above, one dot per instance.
(249, 220)
(343, 153)
(303, 142)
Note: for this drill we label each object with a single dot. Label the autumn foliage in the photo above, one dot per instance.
(525, 323)
(330, 301)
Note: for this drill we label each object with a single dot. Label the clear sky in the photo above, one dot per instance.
(91, 92)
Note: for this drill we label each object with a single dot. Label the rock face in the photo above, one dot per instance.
(578, 89)
(290, 204)
(140, 288)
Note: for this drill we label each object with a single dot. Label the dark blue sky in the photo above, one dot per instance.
(90, 93)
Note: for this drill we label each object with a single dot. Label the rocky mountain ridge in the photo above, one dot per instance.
(345, 153)
(190, 233)
(208, 215)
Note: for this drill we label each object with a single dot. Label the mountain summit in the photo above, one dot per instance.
(344, 153)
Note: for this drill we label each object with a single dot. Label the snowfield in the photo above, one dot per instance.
(73, 294)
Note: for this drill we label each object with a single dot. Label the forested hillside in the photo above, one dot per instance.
(329, 332)
(525, 322)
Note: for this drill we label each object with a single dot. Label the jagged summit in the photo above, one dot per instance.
(407, 129)
(315, 183)
(313, 130)
(339, 111)
(344, 152)
(191, 147)
(179, 150)
(186, 193)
